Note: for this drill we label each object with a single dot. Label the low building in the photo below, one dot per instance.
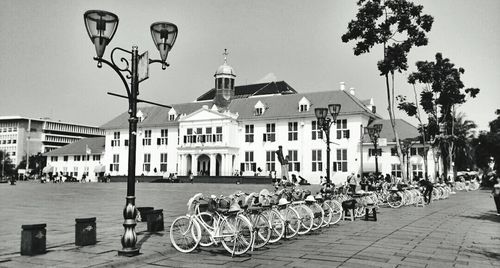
(78, 159)
(22, 136)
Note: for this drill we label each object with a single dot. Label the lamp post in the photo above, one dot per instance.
(325, 122)
(101, 27)
(374, 133)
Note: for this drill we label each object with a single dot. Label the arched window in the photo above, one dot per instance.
(219, 83)
(226, 82)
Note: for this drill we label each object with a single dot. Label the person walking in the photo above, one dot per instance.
(191, 177)
(496, 195)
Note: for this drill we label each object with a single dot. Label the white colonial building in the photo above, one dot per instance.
(236, 129)
(78, 159)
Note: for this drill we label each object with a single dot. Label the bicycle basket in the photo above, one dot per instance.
(212, 205)
(203, 206)
(224, 204)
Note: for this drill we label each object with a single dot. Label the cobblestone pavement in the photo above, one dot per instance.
(458, 232)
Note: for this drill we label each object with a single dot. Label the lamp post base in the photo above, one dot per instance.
(128, 252)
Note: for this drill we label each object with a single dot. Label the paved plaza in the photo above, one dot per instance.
(462, 231)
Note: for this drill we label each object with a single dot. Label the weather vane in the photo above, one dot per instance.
(225, 55)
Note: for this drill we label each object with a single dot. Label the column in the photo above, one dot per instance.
(212, 164)
(224, 166)
(228, 164)
(180, 165)
(194, 164)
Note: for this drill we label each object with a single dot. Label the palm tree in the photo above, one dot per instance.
(464, 136)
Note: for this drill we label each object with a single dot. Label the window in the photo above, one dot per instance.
(116, 139)
(417, 151)
(75, 171)
(342, 131)
(146, 141)
(259, 111)
(341, 164)
(372, 152)
(125, 142)
(163, 140)
(270, 161)
(65, 170)
(317, 133)
(293, 132)
(96, 157)
(293, 160)
(163, 162)
(270, 134)
(76, 158)
(303, 107)
(249, 164)
(249, 130)
(396, 170)
(417, 170)
(317, 163)
(208, 135)
(394, 152)
(14, 141)
(65, 158)
(86, 171)
(171, 117)
(53, 158)
(218, 134)
(116, 163)
(146, 167)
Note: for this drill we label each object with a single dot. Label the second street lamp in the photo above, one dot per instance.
(101, 27)
(374, 133)
(324, 123)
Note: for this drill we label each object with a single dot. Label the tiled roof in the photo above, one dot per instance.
(280, 87)
(405, 130)
(96, 146)
(278, 106)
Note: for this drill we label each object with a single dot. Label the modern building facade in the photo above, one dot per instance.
(236, 130)
(78, 159)
(22, 136)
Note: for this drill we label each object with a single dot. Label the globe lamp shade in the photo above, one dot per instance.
(101, 27)
(164, 35)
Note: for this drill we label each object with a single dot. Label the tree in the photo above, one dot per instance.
(398, 25)
(488, 146)
(7, 168)
(442, 91)
(464, 142)
(37, 163)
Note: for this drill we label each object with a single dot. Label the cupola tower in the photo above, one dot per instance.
(224, 84)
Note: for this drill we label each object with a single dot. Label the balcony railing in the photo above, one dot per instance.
(202, 138)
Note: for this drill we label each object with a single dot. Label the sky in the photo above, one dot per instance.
(47, 69)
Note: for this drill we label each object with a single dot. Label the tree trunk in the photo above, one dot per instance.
(393, 124)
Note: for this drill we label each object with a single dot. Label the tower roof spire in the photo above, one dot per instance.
(225, 55)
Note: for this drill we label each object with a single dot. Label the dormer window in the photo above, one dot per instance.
(141, 116)
(259, 108)
(304, 105)
(172, 114)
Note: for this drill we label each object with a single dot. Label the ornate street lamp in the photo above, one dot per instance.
(101, 27)
(325, 122)
(374, 133)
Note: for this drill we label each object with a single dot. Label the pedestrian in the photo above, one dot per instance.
(191, 177)
(496, 195)
(351, 180)
(428, 190)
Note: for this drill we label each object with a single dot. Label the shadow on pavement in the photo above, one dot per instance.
(490, 216)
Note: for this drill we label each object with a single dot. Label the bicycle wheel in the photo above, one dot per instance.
(185, 234)
(261, 228)
(292, 222)
(318, 216)
(208, 219)
(395, 200)
(336, 211)
(277, 225)
(327, 213)
(306, 219)
(238, 234)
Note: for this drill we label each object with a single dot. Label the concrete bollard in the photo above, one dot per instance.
(85, 232)
(144, 212)
(155, 221)
(33, 239)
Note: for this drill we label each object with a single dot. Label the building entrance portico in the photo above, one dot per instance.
(206, 163)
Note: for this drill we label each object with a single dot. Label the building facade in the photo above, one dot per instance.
(22, 136)
(237, 129)
(79, 159)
